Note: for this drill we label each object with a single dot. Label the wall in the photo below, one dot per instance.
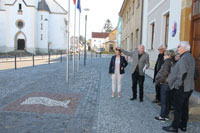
(175, 16)
(2, 31)
(155, 13)
(130, 26)
(12, 30)
(57, 31)
(42, 45)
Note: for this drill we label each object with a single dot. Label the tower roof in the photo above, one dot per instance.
(42, 5)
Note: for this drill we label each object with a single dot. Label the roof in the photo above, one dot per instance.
(42, 5)
(56, 7)
(122, 7)
(99, 35)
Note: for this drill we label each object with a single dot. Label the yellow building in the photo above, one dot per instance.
(111, 44)
(131, 13)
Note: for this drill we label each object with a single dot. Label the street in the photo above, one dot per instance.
(33, 100)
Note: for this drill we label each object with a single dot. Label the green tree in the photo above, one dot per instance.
(108, 26)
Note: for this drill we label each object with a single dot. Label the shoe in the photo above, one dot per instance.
(159, 118)
(119, 96)
(134, 98)
(167, 118)
(170, 129)
(141, 100)
(155, 101)
(184, 129)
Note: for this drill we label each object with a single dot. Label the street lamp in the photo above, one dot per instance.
(86, 9)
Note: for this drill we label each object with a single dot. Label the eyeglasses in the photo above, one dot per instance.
(179, 46)
(159, 49)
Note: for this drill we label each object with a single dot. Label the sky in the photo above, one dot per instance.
(100, 11)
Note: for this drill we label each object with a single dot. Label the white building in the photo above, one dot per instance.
(32, 25)
(155, 32)
(98, 40)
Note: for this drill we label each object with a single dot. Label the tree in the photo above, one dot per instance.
(108, 26)
(82, 39)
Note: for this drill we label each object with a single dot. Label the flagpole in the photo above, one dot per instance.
(67, 68)
(74, 39)
(79, 42)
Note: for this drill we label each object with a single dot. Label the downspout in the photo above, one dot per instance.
(141, 22)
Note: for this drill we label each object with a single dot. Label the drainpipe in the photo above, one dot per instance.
(141, 23)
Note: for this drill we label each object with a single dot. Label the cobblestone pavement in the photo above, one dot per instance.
(91, 108)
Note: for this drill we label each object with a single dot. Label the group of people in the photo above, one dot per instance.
(173, 78)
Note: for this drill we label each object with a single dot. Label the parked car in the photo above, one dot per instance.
(100, 50)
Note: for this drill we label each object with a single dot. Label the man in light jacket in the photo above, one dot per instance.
(140, 62)
(181, 82)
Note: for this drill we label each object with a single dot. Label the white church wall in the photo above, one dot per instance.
(13, 30)
(2, 31)
(2, 5)
(57, 32)
(43, 22)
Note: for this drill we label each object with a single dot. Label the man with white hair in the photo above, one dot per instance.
(140, 62)
(181, 82)
(159, 63)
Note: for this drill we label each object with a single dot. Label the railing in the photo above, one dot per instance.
(20, 61)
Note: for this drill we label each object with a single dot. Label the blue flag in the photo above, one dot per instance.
(79, 5)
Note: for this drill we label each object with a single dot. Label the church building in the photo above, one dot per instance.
(35, 26)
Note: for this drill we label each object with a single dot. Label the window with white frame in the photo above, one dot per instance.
(166, 32)
(152, 30)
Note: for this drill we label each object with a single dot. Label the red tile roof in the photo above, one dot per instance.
(99, 35)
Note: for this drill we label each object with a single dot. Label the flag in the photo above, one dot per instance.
(74, 1)
(79, 5)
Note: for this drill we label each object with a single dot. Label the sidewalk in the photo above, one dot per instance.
(91, 108)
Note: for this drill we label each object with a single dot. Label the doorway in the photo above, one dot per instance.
(195, 38)
(20, 44)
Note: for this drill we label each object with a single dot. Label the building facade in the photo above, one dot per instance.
(168, 22)
(98, 40)
(164, 22)
(111, 44)
(155, 27)
(31, 25)
(131, 13)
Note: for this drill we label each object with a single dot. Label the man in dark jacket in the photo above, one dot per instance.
(158, 65)
(181, 82)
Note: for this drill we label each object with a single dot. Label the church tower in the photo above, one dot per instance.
(43, 27)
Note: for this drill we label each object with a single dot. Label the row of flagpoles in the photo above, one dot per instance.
(76, 6)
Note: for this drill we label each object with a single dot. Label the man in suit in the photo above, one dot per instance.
(159, 62)
(181, 82)
(140, 62)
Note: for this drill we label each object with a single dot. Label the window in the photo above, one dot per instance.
(19, 24)
(41, 37)
(166, 29)
(41, 17)
(138, 3)
(129, 12)
(133, 6)
(127, 17)
(196, 7)
(132, 40)
(20, 9)
(137, 38)
(41, 26)
(152, 35)
(20, 6)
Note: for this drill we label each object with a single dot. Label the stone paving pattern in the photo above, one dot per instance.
(97, 111)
